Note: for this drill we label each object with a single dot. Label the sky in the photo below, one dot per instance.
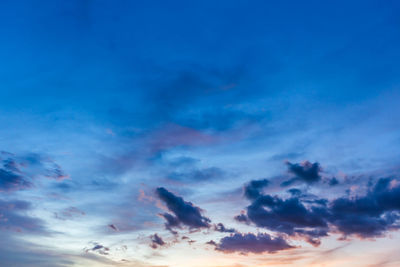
(199, 133)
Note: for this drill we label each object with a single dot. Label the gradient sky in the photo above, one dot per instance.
(199, 133)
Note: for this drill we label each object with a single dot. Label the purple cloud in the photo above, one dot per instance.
(184, 212)
(156, 241)
(251, 243)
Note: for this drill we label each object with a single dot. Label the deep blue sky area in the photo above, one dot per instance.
(199, 133)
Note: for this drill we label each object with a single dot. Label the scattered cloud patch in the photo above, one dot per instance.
(252, 243)
(184, 213)
(219, 227)
(370, 215)
(19, 172)
(98, 248)
(156, 241)
(305, 171)
(253, 188)
(113, 227)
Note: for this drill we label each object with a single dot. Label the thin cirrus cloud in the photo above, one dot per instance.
(18, 172)
(14, 217)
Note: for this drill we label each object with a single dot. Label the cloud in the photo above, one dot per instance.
(22, 253)
(219, 227)
(19, 172)
(333, 181)
(211, 243)
(185, 213)
(69, 213)
(10, 181)
(198, 175)
(251, 243)
(98, 248)
(371, 215)
(295, 192)
(289, 216)
(13, 218)
(171, 222)
(172, 97)
(156, 241)
(113, 227)
(252, 189)
(305, 171)
(242, 218)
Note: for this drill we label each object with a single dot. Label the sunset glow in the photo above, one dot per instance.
(199, 133)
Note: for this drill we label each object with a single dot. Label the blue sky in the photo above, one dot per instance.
(137, 132)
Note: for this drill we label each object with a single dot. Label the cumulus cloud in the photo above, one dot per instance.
(242, 218)
(289, 216)
(370, 215)
(253, 188)
(305, 171)
(184, 213)
(252, 243)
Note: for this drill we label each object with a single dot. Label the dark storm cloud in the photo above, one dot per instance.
(251, 243)
(19, 172)
(185, 212)
(306, 171)
(156, 241)
(253, 188)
